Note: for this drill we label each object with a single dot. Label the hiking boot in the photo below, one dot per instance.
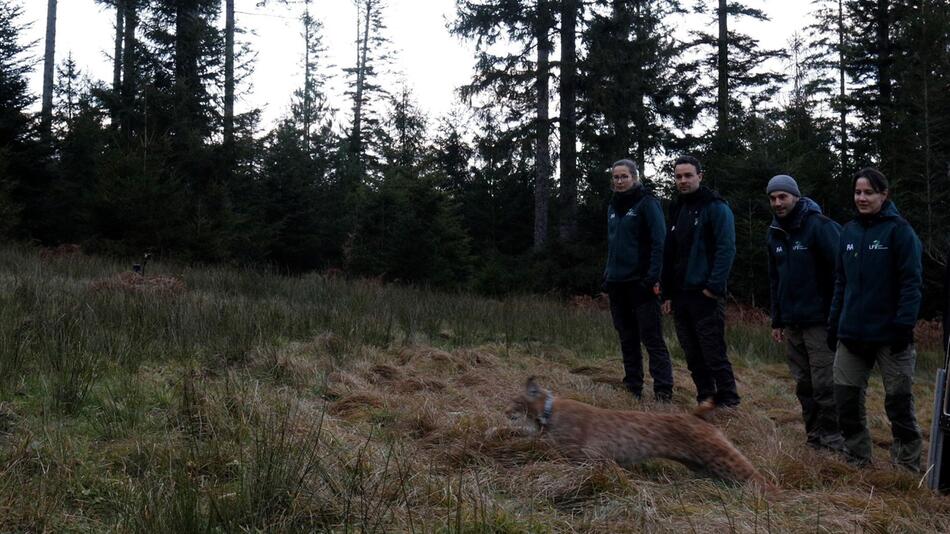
(826, 442)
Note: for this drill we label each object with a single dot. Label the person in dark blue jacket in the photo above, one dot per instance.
(700, 249)
(802, 244)
(635, 235)
(876, 301)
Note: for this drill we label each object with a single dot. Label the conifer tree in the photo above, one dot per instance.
(409, 230)
(918, 144)
(567, 122)
(742, 79)
(15, 142)
(372, 58)
(517, 75)
(825, 54)
(637, 93)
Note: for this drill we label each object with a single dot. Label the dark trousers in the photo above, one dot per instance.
(851, 373)
(701, 329)
(812, 367)
(636, 314)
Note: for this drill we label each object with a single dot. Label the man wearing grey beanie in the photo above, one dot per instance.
(802, 244)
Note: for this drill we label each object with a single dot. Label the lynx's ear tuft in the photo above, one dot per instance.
(531, 388)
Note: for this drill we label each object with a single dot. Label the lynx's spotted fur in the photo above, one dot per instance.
(581, 431)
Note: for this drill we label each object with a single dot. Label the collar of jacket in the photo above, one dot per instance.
(888, 211)
(703, 195)
(621, 202)
(804, 207)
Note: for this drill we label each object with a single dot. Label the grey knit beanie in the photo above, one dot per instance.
(783, 182)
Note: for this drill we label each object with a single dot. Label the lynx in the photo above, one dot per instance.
(581, 431)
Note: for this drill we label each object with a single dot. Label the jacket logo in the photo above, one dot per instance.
(613, 215)
(632, 212)
(799, 246)
(778, 250)
(876, 245)
(849, 247)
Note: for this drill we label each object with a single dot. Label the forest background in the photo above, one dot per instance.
(507, 192)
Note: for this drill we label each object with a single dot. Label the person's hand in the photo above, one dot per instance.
(709, 294)
(903, 339)
(666, 307)
(778, 335)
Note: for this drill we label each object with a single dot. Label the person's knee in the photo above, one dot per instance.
(897, 383)
(848, 371)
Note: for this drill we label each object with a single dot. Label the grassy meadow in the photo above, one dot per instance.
(229, 400)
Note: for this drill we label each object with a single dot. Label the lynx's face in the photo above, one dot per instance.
(524, 409)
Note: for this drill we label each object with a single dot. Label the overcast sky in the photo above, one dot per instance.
(432, 62)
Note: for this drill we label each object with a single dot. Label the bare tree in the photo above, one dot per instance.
(723, 98)
(543, 129)
(117, 59)
(228, 74)
(49, 61)
(567, 126)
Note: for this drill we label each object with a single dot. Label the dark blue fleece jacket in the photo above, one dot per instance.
(802, 248)
(635, 240)
(878, 283)
(700, 244)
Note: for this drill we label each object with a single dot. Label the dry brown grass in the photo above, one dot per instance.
(444, 409)
(60, 252)
(135, 283)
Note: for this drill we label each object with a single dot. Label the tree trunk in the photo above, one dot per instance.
(723, 98)
(639, 117)
(884, 56)
(928, 152)
(542, 129)
(884, 81)
(567, 125)
(229, 78)
(186, 74)
(117, 61)
(363, 48)
(49, 62)
(842, 103)
(307, 82)
(128, 65)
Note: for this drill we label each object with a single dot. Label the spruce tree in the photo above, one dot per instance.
(514, 44)
(15, 135)
(372, 59)
(918, 147)
(409, 229)
(636, 101)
